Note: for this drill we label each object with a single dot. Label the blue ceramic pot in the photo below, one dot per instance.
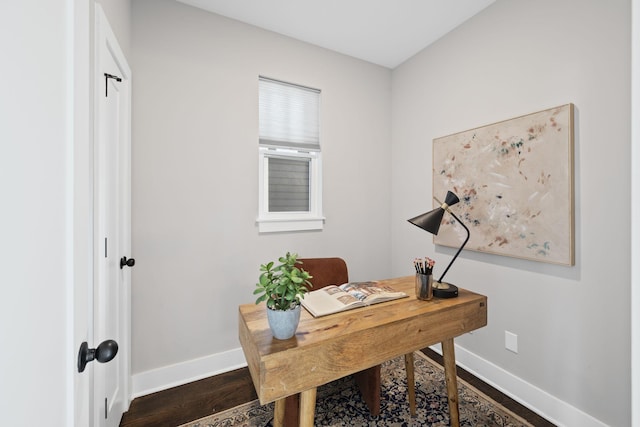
(283, 323)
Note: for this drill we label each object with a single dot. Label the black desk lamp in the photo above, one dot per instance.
(430, 222)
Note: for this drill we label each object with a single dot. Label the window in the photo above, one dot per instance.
(289, 157)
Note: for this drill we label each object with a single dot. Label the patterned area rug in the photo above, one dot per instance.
(339, 403)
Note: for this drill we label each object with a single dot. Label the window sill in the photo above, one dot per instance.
(282, 225)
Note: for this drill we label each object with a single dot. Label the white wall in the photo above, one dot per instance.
(517, 57)
(36, 358)
(635, 215)
(195, 163)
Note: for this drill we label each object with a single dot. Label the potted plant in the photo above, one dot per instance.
(282, 287)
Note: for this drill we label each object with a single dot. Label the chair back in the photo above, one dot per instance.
(325, 271)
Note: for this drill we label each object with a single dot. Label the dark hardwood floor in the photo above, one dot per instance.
(496, 395)
(198, 399)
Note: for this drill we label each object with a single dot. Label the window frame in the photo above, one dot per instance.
(312, 219)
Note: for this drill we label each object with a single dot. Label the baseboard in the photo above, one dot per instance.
(534, 398)
(182, 373)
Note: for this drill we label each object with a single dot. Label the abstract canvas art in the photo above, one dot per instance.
(515, 183)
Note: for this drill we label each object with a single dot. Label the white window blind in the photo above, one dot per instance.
(289, 115)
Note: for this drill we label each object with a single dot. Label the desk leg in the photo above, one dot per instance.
(307, 407)
(278, 413)
(411, 383)
(450, 374)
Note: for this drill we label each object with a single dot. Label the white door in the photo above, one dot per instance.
(112, 241)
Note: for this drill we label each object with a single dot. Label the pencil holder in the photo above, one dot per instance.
(424, 286)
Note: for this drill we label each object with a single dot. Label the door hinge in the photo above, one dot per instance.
(108, 76)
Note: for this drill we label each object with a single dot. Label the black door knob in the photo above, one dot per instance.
(128, 262)
(105, 352)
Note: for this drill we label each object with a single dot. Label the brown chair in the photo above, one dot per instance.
(333, 271)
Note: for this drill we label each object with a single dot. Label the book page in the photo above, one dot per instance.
(370, 292)
(328, 300)
(339, 294)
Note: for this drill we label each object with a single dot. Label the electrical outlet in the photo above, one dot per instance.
(511, 341)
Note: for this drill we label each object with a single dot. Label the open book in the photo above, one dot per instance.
(332, 299)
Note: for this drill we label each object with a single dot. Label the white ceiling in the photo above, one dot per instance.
(384, 32)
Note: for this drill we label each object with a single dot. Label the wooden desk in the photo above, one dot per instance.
(331, 347)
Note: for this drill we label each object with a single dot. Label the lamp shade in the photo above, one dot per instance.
(431, 220)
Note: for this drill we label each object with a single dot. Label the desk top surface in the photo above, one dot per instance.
(316, 329)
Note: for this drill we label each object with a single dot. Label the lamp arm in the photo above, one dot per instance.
(460, 249)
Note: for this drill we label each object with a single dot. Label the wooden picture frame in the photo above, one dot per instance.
(515, 183)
